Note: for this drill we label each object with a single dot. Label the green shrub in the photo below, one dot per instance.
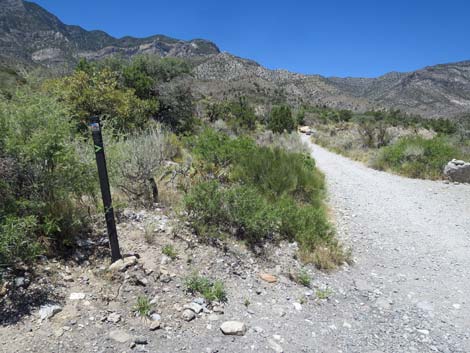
(268, 193)
(210, 290)
(176, 107)
(18, 240)
(303, 278)
(238, 208)
(47, 177)
(220, 150)
(242, 114)
(170, 251)
(306, 224)
(204, 204)
(281, 119)
(276, 173)
(143, 308)
(417, 157)
(249, 214)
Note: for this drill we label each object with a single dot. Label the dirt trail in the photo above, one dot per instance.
(411, 240)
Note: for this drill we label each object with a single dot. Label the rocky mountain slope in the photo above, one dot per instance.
(29, 35)
(435, 91)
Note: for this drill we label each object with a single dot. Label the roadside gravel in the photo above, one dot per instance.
(411, 240)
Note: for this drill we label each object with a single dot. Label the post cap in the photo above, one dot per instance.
(94, 123)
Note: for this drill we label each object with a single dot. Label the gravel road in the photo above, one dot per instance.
(409, 289)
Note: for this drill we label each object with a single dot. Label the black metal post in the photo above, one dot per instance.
(95, 127)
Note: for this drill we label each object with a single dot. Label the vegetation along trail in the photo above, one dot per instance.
(411, 239)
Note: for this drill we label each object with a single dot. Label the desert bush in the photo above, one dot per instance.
(238, 209)
(242, 114)
(276, 172)
(306, 224)
(373, 131)
(18, 240)
(48, 177)
(281, 119)
(136, 160)
(204, 204)
(215, 152)
(417, 157)
(249, 214)
(290, 142)
(268, 193)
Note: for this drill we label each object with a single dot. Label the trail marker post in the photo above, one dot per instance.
(95, 127)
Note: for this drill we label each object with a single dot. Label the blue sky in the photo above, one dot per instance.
(333, 38)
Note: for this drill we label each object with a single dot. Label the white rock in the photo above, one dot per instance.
(47, 311)
(234, 328)
(154, 325)
(194, 307)
(218, 309)
(122, 264)
(298, 306)
(188, 315)
(20, 281)
(77, 296)
(155, 317)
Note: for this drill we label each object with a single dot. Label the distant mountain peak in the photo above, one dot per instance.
(30, 35)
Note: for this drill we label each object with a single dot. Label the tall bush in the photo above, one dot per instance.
(281, 119)
(47, 176)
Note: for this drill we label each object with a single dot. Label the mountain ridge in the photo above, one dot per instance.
(30, 35)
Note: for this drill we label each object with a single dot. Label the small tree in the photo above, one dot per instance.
(243, 113)
(281, 119)
(176, 107)
(99, 93)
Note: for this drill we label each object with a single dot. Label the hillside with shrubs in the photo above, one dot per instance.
(221, 166)
(392, 140)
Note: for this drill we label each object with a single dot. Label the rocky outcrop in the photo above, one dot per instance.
(457, 171)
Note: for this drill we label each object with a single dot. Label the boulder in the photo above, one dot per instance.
(233, 328)
(122, 264)
(457, 171)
